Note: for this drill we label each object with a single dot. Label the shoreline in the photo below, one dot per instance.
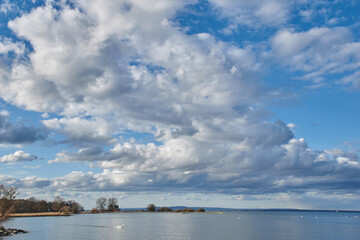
(212, 212)
(41, 214)
(57, 214)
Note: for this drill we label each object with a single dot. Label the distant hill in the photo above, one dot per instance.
(217, 209)
(208, 209)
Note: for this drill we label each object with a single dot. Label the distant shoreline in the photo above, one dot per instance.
(125, 211)
(290, 210)
(58, 214)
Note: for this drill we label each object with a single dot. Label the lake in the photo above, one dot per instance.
(230, 225)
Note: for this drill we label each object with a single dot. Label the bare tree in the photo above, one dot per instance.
(151, 207)
(101, 204)
(57, 204)
(7, 195)
(75, 207)
(113, 204)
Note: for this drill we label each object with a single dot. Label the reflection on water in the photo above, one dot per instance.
(161, 226)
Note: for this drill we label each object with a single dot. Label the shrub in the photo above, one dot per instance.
(65, 210)
(189, 210)
(185, 210)
(200, 210)
(95, 210)
(165, 209)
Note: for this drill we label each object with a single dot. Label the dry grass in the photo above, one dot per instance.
(43, 214)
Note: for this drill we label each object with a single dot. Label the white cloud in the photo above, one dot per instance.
(318, 52)
(82, 130)
(103, 70)
(6, 46)
(7, 6)
(33, 167)
(18, 156)
(82, 69)
(352, 80)
(255, 14)
(291, 125)
(344, 160)
(4, 114)
(45, 115)
(222, 168)
(33, 182)
(274, 12)
(306, 14)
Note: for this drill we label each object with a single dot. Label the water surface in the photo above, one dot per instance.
(161, 226)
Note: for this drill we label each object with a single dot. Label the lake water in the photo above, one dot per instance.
(159, 226)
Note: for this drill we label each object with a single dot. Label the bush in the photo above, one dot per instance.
(189, 210)
(95, 210)
(65, 210)
(185, 210)
(165, 209)
(200, 210)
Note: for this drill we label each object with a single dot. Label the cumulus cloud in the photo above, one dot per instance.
(18, 156)
(103, 71)
(234, 168)
(6, 46)
(184, 164)
(27, 182)
(109, 71)
(16, 133)
(80, 130)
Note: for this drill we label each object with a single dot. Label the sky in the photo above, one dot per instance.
(217, 103)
